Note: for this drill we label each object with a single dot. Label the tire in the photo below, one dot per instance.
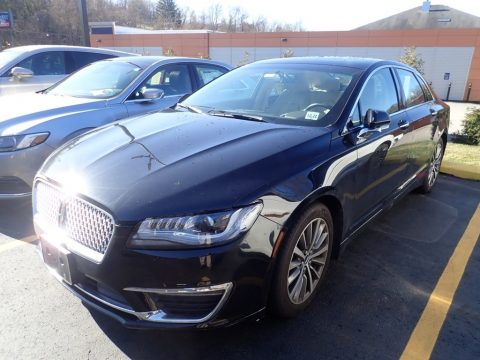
(433, 168)
(302, 264)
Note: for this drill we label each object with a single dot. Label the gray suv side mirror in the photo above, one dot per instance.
(152, 94)
(21, 73)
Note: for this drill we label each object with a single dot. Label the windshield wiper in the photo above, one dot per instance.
(236, 115)
(190, 108)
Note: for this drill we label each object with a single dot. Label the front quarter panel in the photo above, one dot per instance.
(67, 127)
(318, 168)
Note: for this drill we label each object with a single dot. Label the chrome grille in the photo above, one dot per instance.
(82, 221)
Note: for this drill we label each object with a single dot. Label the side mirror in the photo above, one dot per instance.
(21, 73)
(375, 119)
(152, 94)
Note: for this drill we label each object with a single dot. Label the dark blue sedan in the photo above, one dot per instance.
(236, 201)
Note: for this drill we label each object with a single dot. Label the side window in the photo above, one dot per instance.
(207, 73)
(46, 63)
(80, 58)
(172, 79)
(426, 88)
(379, 93)
(411, 88)
(355, 119)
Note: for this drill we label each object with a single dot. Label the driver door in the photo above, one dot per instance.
(383, 165)
(173, 79)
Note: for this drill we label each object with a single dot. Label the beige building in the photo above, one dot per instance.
(447, 40)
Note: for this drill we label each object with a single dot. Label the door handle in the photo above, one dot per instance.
(403, 124)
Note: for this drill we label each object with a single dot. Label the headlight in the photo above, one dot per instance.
(18, 142)
(195, 231)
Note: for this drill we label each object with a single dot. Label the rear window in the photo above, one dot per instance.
(207, 73)
(45, 63)
(426, 88)
(411, 88)
(81, 58)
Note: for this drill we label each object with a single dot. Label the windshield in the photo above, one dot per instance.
(100, 80)
(7, 56)
(303, 94)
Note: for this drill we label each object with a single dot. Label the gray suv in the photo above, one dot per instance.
(33, 125)
(36, 67)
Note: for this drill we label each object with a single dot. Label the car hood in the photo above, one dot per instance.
(174, 163)
(21, 112)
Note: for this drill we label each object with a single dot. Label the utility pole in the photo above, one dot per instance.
(84, 21)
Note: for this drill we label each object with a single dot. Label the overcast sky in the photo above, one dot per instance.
(326, 14)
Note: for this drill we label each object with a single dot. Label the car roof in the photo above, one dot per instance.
(354, 62)
(145, 61)
(36, 48)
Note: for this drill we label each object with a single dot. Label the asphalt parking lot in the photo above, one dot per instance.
(376, 297)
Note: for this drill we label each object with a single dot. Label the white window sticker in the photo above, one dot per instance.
(311, 115)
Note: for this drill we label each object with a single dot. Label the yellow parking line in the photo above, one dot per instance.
(13, 244)
(425, 334)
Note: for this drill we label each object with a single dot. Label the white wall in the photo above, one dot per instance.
(438, 60)
(143, 50)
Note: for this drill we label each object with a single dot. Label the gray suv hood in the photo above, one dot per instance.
(20, 112)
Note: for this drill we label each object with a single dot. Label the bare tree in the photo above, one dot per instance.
(58, 21)
(214, 15)
(233, 15)
(202, 21)
(260, 24)
(243, 21)
(140, 13)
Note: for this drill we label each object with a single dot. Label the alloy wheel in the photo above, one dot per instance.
(308, 261)
(435, 164)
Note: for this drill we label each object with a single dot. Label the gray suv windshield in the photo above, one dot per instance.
(101, 80)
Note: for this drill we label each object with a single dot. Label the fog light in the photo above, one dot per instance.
(184, 305)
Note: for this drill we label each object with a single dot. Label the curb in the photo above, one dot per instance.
(461, 171)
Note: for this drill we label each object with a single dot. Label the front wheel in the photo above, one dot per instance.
(303, 261)
(433, 168)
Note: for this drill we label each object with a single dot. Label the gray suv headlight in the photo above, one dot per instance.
(194, 231)
(19, 142)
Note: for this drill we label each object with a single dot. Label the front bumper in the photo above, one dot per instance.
(18, 168)
(133, 322)
(169, 289)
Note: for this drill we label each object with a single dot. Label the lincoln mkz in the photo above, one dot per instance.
(236, 201)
